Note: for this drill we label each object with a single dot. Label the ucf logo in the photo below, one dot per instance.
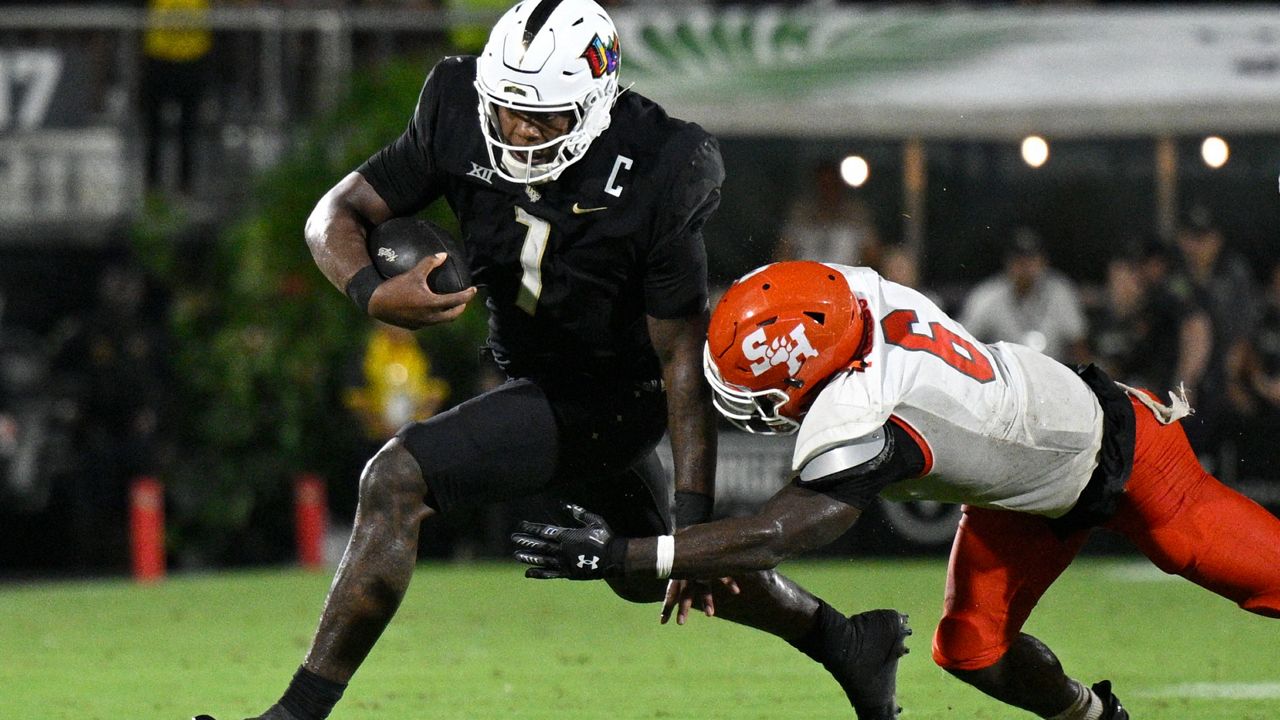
(790, 349)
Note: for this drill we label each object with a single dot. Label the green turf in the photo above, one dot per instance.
(476, 642)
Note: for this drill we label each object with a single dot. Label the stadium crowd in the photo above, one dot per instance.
(1190, 311)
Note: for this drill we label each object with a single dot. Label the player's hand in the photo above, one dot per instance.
(589, 552)
(406, 301)
(682, 594)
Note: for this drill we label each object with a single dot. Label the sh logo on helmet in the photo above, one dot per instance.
(791, 349)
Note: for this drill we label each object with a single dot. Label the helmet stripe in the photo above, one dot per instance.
(538, 18)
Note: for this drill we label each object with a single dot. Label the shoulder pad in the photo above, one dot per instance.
(841, 458)
(850, 407)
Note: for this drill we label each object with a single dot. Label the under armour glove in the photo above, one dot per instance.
(590, 552)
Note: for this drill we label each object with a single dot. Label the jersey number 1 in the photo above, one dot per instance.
(941, 343)
(535, 244)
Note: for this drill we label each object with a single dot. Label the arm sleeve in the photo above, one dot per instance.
(405, 173)
(856, 472)
(676, 282)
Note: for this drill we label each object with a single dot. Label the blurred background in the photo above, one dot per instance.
(1096, 180)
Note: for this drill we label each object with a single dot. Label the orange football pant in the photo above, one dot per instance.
(1181, 517)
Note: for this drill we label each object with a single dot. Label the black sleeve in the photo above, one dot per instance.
(900, 458)
(404, 173)
(676, 281)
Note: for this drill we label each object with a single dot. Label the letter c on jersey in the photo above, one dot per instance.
(622, 163)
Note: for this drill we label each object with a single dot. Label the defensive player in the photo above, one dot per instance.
(582, 211)
(892, 397)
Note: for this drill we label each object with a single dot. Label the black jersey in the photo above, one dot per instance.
(571, 266)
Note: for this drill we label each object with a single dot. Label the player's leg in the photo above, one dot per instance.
(1192, 525)
(1001, 564)
(377, 564)
(369, 585)
(498, 445)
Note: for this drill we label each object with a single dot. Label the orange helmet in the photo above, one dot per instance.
(775, 338)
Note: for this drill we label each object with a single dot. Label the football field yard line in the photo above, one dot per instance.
(477, 641)
(1219, 690)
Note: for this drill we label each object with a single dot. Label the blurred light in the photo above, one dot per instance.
(1035, 340)
(854, 171)
(1215, 152)
(397, 373)
(1035, 151)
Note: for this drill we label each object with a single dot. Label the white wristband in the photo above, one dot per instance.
(666, 556)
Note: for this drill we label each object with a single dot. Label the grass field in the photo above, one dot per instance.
(478, 642)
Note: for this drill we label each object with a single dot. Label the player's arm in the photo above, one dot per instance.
(691, 427)
(691, 423)
(823, 502)
(401, 179)
(676, 303)
(794, 521)
(336, 233)
(338, 226)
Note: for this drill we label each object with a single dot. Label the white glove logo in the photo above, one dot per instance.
(593, 563)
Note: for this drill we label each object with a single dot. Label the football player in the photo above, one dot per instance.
(892, 397)
(582, 209)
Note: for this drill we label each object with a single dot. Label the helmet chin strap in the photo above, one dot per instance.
(518, 169)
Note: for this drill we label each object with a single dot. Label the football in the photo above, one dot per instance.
(398, 244)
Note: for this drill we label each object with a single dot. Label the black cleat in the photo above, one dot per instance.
(1111, 707)
(868, 671)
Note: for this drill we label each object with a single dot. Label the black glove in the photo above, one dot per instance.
(590, 552)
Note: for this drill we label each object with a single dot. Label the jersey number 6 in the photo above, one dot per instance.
(941, 343)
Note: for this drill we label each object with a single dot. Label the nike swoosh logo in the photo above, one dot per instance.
(579, 210)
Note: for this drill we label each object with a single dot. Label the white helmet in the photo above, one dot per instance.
(547, 56)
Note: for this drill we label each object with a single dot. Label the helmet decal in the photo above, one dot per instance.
(791, 349)
(603, 59)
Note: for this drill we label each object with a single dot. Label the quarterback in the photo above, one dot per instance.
(582, 210)
(889, 396)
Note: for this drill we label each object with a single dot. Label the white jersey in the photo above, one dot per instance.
(1000, 425)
